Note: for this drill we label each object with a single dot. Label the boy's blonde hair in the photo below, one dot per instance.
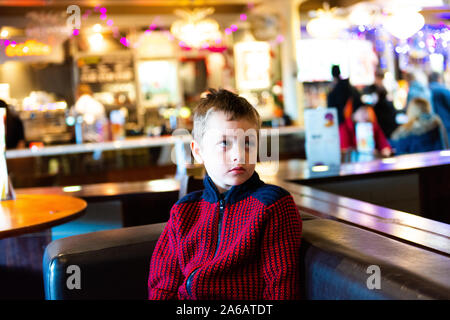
(234, 106)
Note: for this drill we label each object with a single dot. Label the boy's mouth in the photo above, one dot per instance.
(237, 169)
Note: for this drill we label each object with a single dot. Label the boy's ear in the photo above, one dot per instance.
(196, 152)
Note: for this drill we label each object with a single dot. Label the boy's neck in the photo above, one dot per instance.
(220, 189)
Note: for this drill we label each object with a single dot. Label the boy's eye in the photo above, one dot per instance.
(227, 143)
(249, 143)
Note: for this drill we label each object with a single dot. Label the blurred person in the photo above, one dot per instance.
(418, 86)
(93, 112)
(423, 132)
(14, 130)
(348, 138)
(376, 96)
(379, 78)
(344, 97)
(87, 104)
(440, 98)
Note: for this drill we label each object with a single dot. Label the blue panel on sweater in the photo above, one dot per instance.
(269, 194)
(191, 197)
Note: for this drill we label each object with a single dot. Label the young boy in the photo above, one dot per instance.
(239, 238)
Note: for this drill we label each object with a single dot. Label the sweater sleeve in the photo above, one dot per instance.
(281, 251)
(165, 275)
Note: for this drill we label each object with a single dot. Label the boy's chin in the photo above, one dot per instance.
(238, 179)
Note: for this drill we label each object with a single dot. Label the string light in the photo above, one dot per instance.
(153, 26)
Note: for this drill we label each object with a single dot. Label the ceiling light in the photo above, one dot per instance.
(363, 14)
(326, 24)
(4, 34)
(97, 28)
(404, 23)
(96, 41)
(194, 30)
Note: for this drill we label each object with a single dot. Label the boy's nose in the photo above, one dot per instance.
(238, 155)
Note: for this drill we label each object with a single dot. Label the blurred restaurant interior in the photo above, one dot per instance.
(146, 64)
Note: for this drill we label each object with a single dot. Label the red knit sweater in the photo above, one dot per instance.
(242, 246)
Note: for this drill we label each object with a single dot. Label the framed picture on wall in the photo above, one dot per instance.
(158, 82)
(252, 62)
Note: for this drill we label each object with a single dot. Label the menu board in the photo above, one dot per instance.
(322, 143)
(365, 141)
(106, 69)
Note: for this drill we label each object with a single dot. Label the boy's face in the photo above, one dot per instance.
(227, 150)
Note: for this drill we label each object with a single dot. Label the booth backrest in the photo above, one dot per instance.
(113, 264)
(339, 261)
(342, 261)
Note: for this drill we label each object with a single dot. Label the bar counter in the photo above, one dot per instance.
(128, 143)
(132, 159)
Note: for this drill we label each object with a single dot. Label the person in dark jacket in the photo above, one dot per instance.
(346, 99)
(15, 133)
(384, 109)
(342, 94)
(440, 97)
(423, 132)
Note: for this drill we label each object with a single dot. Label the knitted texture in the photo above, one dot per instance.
(249, 250)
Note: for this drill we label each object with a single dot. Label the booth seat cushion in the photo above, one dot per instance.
(335, 257)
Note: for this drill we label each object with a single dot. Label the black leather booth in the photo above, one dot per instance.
(335, 256)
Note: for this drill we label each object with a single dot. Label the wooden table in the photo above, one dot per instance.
(296, 170)
(142, 202)
(24, 234)
(414, 183)
(31, 213)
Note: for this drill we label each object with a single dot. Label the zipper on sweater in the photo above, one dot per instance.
(189, 281)
(221, 210)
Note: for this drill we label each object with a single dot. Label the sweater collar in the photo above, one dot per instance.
(235, 194)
